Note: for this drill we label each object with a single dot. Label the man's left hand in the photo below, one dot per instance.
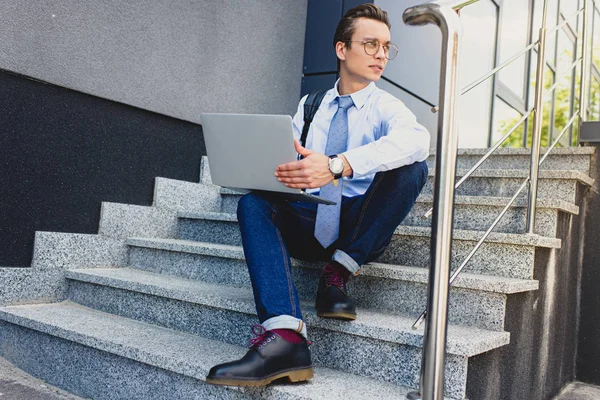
(308, 173)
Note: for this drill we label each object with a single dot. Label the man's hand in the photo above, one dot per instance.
(311, 172)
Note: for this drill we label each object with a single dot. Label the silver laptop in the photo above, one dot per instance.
(244, 150)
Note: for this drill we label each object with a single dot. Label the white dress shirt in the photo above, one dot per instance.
(382, 134)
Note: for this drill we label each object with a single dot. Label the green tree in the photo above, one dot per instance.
(562, 110)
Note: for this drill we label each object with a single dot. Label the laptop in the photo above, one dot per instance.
(244, 150)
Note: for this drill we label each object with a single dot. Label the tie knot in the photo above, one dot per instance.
(345, 102)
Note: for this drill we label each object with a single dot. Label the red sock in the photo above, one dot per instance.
(289, 335)
(340, 270)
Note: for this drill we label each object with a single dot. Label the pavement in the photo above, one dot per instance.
(15, 384)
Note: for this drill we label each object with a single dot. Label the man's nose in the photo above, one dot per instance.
(380, 53)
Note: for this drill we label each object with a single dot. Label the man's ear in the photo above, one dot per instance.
(340, 50)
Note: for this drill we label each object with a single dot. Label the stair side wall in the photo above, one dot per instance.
(540, 359)
(588, 354)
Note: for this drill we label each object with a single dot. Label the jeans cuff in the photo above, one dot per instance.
(286, 322)
(347, 261)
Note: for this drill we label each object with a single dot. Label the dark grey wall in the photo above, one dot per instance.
(63, 152)
(588, 354)
(178, 58)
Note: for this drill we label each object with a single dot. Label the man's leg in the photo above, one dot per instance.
(280, 349)
(366, 228)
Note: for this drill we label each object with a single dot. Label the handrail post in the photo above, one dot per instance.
(434, 340)
(585, 65)
(536, 136)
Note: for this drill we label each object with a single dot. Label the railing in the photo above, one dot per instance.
(442, 14)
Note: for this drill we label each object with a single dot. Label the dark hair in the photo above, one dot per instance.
(345, 28)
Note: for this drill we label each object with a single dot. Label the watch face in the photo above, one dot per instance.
(336, 165)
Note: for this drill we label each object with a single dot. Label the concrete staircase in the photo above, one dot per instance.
(144, 309)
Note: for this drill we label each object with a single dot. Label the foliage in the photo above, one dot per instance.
(562, 110)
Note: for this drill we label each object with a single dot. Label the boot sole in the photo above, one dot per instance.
(298, 375)
(342, 316)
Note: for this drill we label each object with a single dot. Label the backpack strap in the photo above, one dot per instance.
(311, 105)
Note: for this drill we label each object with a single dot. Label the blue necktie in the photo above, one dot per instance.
(327, 225)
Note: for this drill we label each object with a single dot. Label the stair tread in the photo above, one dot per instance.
(179, 352)
(481, 282)
(464, 341)
(559, 204)
(509, 151)
(424, 231)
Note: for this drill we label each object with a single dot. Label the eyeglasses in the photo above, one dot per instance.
(371, 47)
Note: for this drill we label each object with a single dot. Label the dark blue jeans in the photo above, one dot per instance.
(273, 230)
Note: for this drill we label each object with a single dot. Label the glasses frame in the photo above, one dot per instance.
(385, 53)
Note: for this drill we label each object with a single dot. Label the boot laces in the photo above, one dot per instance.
(262, 336)
(332, 278)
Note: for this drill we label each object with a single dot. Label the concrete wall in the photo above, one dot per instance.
(178, 58)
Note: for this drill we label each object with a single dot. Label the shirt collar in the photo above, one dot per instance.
(359, 98)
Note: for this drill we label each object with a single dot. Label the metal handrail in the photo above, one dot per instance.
(557, 27)
(503, 138)
(486, 156)
(434, 341)
(491, 73)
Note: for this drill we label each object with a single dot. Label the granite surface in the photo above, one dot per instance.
(569, 158)
(74, 250)
(466, 307)
(480, 308)
(124, 220)
(486, 282)
(29, 285)
(180, 195)
(370, 323)
(106, 347)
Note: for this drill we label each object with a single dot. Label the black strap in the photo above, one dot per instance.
(311, 105)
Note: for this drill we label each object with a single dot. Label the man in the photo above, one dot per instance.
(365, 151)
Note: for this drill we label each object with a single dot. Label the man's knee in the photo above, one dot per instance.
(403, 179)
(250, 204)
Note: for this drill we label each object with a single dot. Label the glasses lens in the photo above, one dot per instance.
(391, 51)
(371, 47)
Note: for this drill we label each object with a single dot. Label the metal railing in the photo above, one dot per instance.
(442, 14)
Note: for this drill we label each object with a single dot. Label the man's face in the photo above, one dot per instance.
(358, 65)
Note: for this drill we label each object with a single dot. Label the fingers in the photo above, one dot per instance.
(303, 151)
(292, 166)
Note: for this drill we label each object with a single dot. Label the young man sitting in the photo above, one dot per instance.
(365, 151)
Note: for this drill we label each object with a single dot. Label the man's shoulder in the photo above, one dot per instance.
(386, 102)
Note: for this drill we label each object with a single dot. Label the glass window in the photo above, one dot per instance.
(595, 100)
(551, 21)
(505, 118)
(568, 8)
(596, 38)
(479, 26)
(513, 38)
(564, 75)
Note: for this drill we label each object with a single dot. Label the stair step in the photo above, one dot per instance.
(479, 212)
(569, 158)
(470, 213)
(552, 184)
(369, 323)
(499, 255)
(68, 334)
(475, 300)
(387, 342)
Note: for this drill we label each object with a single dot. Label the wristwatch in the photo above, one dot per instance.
(336, 167)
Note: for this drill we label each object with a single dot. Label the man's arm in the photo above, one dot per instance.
(310, 172)
(404, 141)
